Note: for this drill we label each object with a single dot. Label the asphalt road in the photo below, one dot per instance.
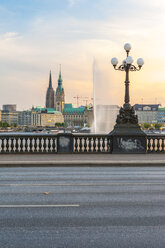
(82, 207)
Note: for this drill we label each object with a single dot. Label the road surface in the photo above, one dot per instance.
(76, 207)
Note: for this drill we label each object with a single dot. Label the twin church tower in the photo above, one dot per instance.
(55, 99)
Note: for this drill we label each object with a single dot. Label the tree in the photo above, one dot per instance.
(59, 124)
(158, 126)
(146, 125)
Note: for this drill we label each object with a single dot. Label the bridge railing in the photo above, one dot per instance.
(27, 143)
(155, 143)
(80, 143)
(90, 143)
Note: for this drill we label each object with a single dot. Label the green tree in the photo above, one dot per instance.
(59, 124)
(157, 126)
(146, 125)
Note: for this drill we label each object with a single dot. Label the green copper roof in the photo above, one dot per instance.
(69, 109)
(47, 110)
(67, 105)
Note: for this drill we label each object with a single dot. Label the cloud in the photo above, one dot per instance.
(72, 2)
(9, 36)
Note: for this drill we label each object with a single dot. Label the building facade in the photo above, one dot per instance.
(10, 118)
(147, 113)
(29, 118)
(9, 107)
(50, 120)
(40, 117)
(161, 116)
(77, 116)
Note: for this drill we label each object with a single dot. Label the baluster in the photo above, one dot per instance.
(94, 144)
(90, 145)
(99, 144)
(21, 144)
(44, 145)
(54, 145)
(3, 145)
(16, 144)
(30, 144)
(7, 144)
(75, 144)
(149, 145)
(158, 145)
(35, 144)
(85, 144)
(153, 144)
(49, 144)
(25, 141)
(80, 144)
(40, 144)
(103, 144)
(12, 144)
(162, 145)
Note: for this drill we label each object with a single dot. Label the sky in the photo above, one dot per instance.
(36, 36)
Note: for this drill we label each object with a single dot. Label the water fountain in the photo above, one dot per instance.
(105, 112)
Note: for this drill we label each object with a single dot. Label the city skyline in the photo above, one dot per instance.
(37, 36)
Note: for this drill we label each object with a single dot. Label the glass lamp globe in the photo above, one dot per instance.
(140, 62)
(124, 62)
(129, 60)
(114, 61)
(127, 47)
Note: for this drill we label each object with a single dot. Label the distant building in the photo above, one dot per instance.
(9, 114)
(49, 120)
(9, 117)
(55, 99)
(40, 117)
(9, 107)
(29, 118)
(77, 116)
(161, 115)
(60, 96)
(147, 113)
(71, 116)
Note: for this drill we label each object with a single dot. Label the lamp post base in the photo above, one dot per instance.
(127, 137)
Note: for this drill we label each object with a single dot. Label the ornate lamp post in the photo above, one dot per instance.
(127, 135)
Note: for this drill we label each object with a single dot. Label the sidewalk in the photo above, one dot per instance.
(16, 160)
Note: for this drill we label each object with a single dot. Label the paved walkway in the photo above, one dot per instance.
(82, 160)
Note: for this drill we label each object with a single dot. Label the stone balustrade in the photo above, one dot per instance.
(67, 143)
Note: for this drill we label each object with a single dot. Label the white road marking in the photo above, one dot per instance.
(40, 206)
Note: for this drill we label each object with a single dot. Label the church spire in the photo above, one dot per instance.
(60, 81)
(50, 94)
(50, 81)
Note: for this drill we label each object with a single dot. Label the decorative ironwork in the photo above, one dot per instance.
(127, 114)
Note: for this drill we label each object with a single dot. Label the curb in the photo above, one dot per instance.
(78, 163)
